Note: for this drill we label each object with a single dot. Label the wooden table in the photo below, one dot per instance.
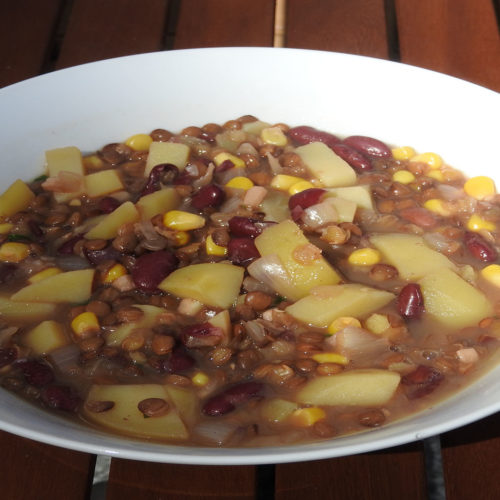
(459, 37)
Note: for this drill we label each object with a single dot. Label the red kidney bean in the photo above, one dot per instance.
(225, 165)
(183, 179)
(244, 226)
(201, 335)
(229, 399)
(7, 270)
(36, 373)
(479, 248)
(178, 361)
(305, 198)
(419, 216)
(67, 247)
(151, 268)
(60, 397)
(108, 204)
(164, 173)
(410, 301)
(242, 251)
(358, 161)
(7, 356)
(369, 146)
(306, 135)
(423, 380)
(208, 196)
(97, 257)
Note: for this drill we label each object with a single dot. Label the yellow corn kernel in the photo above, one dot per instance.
(212, 248)
(476, 223)
(491, 274)
(436, 175)
(200, 379)
(92, 162)
(85, 323)
(181, 238)
(403, 177)
(183, 221)
(139, 142)
(284, 182)
(480, 187)
(437, 206)
(330, 357)
(274, 136)
(307, 417)
(377, 323)
(340, 323)
(5, 227)
(46, 273)
(240, 183)
(300, 186)
(14, 252)
(432, 159)
(403, 153)
(222, 157)
(364, 257)
(114, 272)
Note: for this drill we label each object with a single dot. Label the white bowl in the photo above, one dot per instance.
(94, 104)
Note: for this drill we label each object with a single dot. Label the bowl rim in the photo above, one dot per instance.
(132, 449)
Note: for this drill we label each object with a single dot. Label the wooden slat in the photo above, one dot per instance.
(150, 481)
(35, 470)
(458, 37)
(100, 29)
(209, 23)
(394, 473)
(351, 26)
(470, 460)
(26, 28)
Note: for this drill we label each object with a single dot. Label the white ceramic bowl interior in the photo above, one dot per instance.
(94, 104)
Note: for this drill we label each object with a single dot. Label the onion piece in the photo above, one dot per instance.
(72, 263)
(205, 179)
(65, 358)
(359, 346)
(216, 432)
(320, 215)
(274, 163)
(450, 193)
(245, 148)
(271, 272)
(152, 240)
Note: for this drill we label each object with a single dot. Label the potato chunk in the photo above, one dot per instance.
(360, 195)
(72, 287)
(15, 199)
(410, 255)
(325, 165)
(327, 303)
(103, 182)
(46, 337)
(369, 387)
(282, 240)
(107, 228)
(13, 310)
(216, 284)
(166, 152)
(158, 202)
(452, 301)
(125, 416)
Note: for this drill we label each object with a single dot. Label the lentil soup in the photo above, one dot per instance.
(246, 284)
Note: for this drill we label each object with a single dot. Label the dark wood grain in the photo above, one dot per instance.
(149, 481)
(223, 23)
(34, 470)
(471, 456)
(26, 33)
(458, 37)
(100, 29)
(351, 26)
(395, 473)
